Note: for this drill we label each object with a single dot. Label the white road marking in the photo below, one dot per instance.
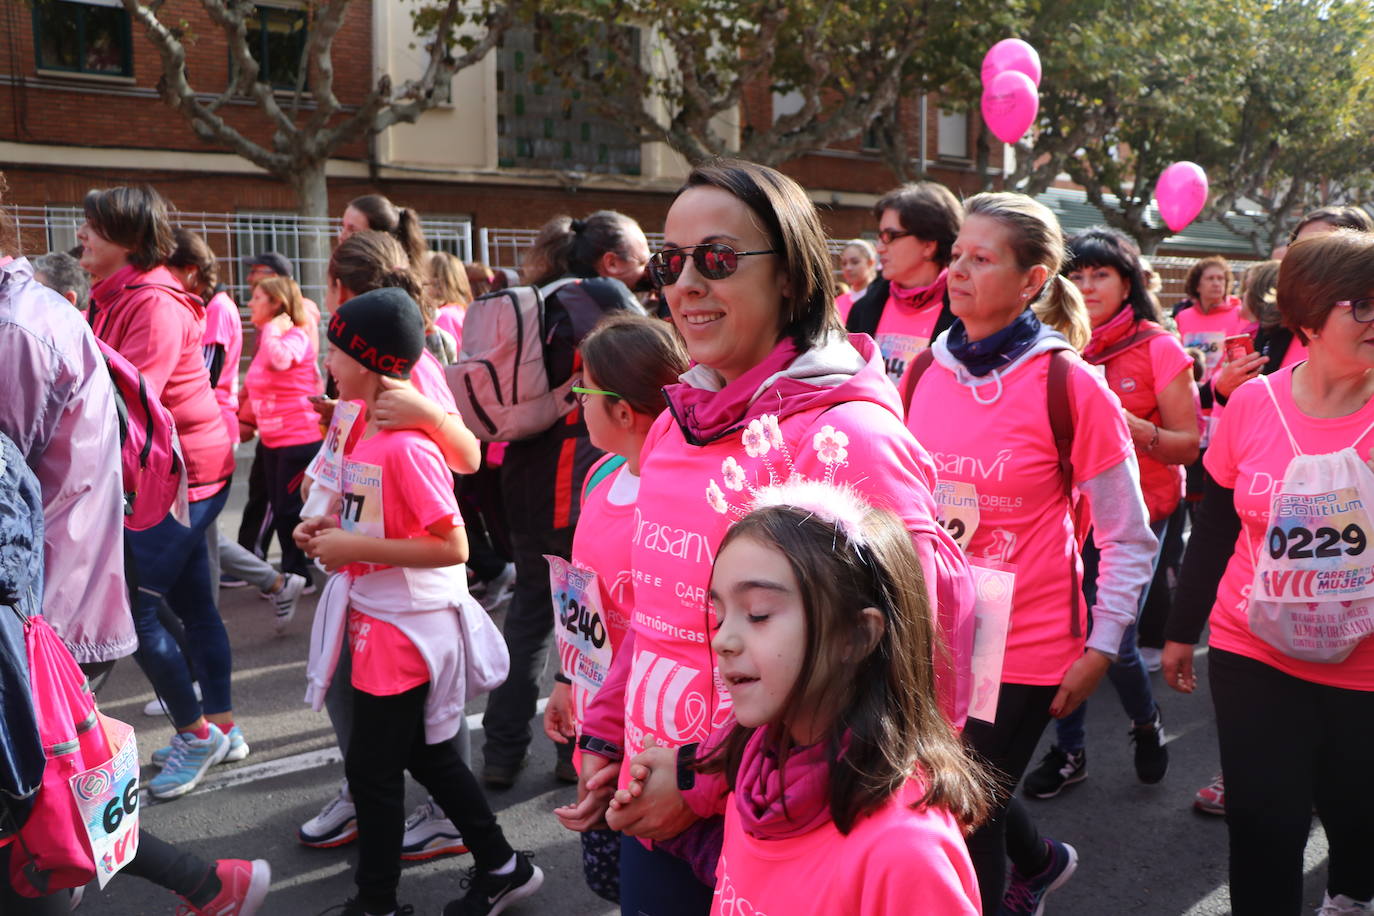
(282, 766)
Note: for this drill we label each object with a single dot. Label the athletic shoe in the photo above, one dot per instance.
(1341, 905)
(1152, 659)
(154, 707)
(429, 835)
(1211, 798)
(335, 825)
(499, 590)
(1151, 754)
(502, 775)
(243, 887)
(185, 766)
(231, 582)
(286, 598)
(1025, 895)
(489, 894)
(1056, 770)
(238, 749)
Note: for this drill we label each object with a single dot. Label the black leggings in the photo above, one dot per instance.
(1287, 744)
(390, 739)
(161, 863)
(1023, 711)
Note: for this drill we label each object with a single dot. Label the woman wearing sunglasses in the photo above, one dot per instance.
(908, 306)
(1294, 732)
(778, 387)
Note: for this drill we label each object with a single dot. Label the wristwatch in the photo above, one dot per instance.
(600, 748)
(686, 760)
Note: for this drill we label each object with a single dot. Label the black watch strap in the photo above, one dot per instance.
(597, 746)
(686, 760)
(562, 678)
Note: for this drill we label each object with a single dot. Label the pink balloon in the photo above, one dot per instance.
(1011, 54)
(1181, 194)
(1010, 102)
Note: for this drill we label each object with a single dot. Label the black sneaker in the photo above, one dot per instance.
(1057, 770)
(489, 894)
(502, 775)
(1151, 756)
(352, 907)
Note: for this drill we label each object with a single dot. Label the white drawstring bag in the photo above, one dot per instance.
(1313, 593)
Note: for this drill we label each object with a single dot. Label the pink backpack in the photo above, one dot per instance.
(53, 849)
(154, 472)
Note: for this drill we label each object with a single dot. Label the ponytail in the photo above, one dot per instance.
(1060, 305)
(401, 223)
(568, 246)
(411, 235)
(371, 260)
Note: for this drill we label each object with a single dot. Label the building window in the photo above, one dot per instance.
(449, 233)
(544, 124)
(276, 39)
(952, 135)
(83, 36)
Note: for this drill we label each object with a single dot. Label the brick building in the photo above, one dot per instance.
(80, 108)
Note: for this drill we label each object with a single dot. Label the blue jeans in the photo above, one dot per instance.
(171, 564)
(654, 883)
(1127, 674)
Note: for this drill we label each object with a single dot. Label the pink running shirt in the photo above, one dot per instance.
(280, 381)
(903, 332)
(896, 860)
(1250, 454)
(1006, 451)
(224, 328)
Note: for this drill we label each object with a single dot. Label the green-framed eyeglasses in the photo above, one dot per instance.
(583, 392)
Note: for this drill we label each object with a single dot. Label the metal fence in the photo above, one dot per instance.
(236, 236)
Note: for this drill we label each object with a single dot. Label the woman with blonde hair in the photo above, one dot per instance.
(1014, 384)
(859, 267)
(446, 284)
(280, 381)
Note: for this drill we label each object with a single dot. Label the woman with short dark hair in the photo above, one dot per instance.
(1294, 706)
(139, 308)
(777, 386)
(908, 306)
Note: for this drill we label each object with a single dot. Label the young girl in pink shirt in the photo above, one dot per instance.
(398, 545)
(279, 384)
(849, 791)
(626, 361)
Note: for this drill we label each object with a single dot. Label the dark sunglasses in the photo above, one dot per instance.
(713, 261)
(1362, 310)
(888, 236)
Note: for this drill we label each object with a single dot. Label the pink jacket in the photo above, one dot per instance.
(60, 411)
(669, 688)
(159, 327)
(280, 381)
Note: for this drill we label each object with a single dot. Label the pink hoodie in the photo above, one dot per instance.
(155, 324)
(670, 686)
(224, 327)
(280, 381)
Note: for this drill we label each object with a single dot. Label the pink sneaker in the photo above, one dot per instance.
(245, 886)
(1211, 798)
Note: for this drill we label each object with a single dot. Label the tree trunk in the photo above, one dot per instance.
(312, 192)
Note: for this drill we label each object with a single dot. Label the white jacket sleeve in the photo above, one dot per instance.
(1121, 531)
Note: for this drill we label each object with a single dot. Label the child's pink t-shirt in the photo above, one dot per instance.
(1005, 451)
(450, 318)
(896, 860)
(903, 332)
(223, 328)
(427, 375)
(1250, 454)
(280, 382)
(395, 485)
(602, 544)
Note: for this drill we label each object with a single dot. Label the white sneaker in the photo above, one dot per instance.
(1341, 905)
(429, 834)
(499, 590)
(335, 825)
(286, 598)
(154, 707)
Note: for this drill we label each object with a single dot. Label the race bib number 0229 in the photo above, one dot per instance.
(1317, 547)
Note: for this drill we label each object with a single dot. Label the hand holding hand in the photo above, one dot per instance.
(596, 779)
(334, 547)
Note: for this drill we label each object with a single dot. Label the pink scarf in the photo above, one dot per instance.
(918, 297)
(777, 803)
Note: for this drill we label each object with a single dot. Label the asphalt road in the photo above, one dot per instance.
(1142, 849)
